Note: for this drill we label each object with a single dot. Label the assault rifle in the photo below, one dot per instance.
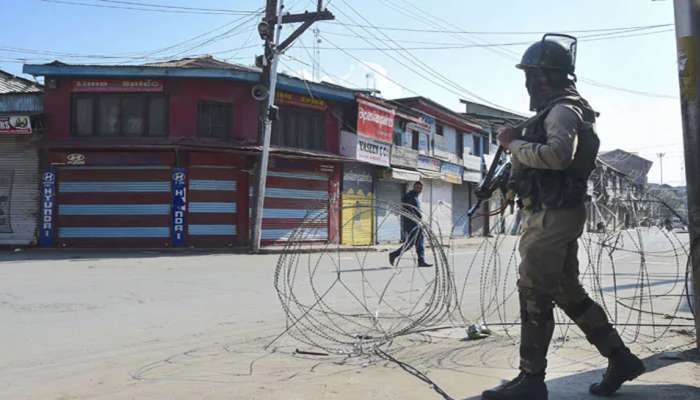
(499, 171)
(496, 179)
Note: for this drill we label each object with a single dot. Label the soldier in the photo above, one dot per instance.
(552, 160)
(412, 232)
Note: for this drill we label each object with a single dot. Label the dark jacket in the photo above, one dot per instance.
(411, 206)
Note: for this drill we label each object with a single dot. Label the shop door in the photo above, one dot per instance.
(388, 223)
(212, 218)
(296, 206)
(460, 207)
(19, 192)
(114, 206)
(441, 209)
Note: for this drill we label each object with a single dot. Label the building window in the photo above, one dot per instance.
(298, 128)
(459, 139)
(476, 149)
(399, 127)
(415, 139)
(119, 115)
(439, 129)
(214, 119)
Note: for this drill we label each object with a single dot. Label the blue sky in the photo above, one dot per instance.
(639, 60)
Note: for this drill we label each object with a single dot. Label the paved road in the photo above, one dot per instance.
(150, 325)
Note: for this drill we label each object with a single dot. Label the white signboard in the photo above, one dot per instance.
(365, 149)
(472, 162)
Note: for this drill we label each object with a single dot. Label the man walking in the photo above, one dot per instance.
(552, 160)
(412, 232)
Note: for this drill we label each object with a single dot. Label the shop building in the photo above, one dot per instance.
(448, 189)
(21, 126)
(164, 155)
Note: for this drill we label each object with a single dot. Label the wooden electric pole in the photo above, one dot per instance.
(688, 41)
(270, 30)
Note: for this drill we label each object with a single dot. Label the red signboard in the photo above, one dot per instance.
(300, 101)
(15, 124)
(118, 85)
(374, 121)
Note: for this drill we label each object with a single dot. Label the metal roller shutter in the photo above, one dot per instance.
(114, 206)
(293, 199)
(19, 192)
(460, 198)
(441, 208)
(388, 223)
(212, 218)
(357, 213)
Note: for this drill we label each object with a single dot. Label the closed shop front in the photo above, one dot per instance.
(214, 201)
(212, 217)
(19, 191)
(110, 200)
(388, 223)
(441, 208)
(357, 199)
(296, 199)
(461, 203)
(390, 189)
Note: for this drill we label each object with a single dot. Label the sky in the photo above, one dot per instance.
(443, 49)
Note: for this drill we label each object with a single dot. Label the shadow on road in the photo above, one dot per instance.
(575, 387)
(95, 254)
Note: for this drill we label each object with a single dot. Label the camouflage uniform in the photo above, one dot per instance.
(549, 270)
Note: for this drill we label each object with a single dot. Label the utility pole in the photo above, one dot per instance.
(687, 14)
(317, 55)
(661, 165)
(270, 29)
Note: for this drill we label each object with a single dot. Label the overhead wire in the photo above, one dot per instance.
(424, 16)
(446, 31)
(423, 70)
(136, 6)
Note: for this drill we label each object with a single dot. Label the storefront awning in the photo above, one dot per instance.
(430, 174)
(405, 175)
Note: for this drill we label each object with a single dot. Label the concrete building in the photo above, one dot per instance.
(21, 126)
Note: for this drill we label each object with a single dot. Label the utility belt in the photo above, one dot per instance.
(533, 205)
(540, 190)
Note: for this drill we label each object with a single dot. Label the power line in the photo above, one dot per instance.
(165, 6)
(626, 90)
(150, 8)
(443, 81)
(589, 38)
(445, 31)
(510, 55)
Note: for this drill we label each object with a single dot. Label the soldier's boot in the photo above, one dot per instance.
(524, 387)
(536, 328)
(622, 367)
(622, 364)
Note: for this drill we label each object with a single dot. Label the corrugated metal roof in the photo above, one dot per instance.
(14, 84)
(200, 62)
(199, 67)
(630, 164)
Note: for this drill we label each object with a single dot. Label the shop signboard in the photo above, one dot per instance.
(471, 176)
(440, 149)
(365, 149)
(15, 125)
(284, 98)
(451, 173)
(404, 156)
(429, 163)
(48, 199)
(472, 162)
(375, 122)
(179, 187)
(113, 85)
